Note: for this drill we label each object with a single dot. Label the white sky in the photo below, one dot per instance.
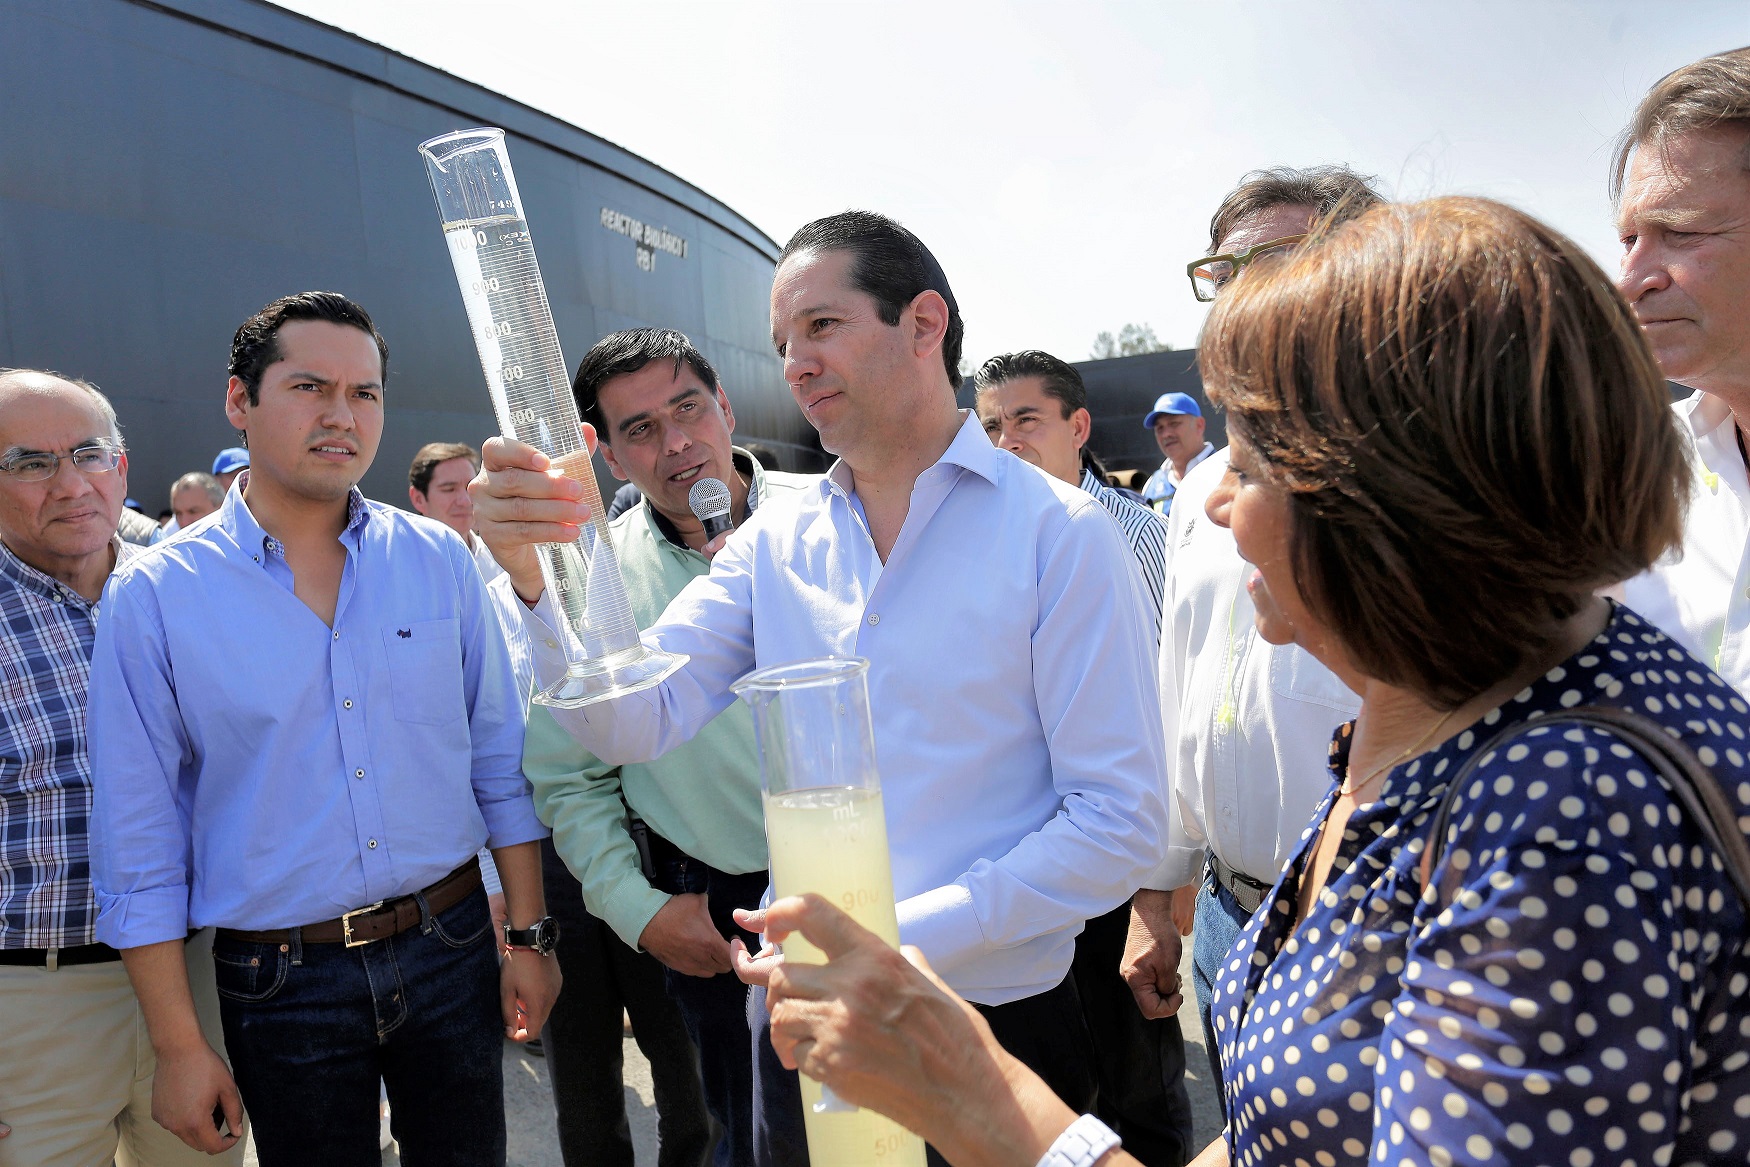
(1063, 159)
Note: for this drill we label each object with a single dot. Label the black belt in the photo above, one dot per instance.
(77, 954)
(1247, 892)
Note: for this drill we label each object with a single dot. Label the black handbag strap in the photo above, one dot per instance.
(1693, 784)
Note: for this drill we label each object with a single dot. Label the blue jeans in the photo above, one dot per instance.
(311, 1028)
(715, 1008)
(1215, 926)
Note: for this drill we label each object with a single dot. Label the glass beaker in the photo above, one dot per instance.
(826, 831)
(512, 326)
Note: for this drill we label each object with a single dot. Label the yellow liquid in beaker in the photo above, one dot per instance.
(833, 842)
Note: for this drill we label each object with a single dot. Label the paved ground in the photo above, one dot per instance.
(529, 1101)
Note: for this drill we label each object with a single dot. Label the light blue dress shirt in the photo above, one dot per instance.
(1011, 681)
(256, 768)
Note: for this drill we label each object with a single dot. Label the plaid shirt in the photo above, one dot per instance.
(46, 634)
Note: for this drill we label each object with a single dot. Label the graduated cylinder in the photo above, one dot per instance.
(827, 833)
(512, 326)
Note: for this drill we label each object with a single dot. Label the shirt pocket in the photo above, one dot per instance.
(1296, 674)
(425, 671)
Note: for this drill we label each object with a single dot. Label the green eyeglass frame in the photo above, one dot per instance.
(1211, 273)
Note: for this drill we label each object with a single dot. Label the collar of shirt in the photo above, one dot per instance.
(1173, 475)
(746, 465)
(1715, 434)
(237, 521)
(16, 571)
(971, 450)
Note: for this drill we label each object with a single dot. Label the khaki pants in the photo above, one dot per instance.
(76, 1067)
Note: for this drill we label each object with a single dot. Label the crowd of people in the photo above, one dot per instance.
(1418, 707)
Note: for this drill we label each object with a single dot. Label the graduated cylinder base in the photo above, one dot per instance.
(598, 680)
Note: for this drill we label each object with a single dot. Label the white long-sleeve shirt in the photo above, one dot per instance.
(1247, 723)
(1011, 682)
(1701, 597)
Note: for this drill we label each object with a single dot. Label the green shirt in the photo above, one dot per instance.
(703, 796)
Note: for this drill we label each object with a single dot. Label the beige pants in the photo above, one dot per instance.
(76, 1067)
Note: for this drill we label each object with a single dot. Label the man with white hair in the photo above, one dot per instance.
(75, 1081)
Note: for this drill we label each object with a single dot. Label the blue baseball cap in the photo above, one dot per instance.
(237, 458)
(1175, 403)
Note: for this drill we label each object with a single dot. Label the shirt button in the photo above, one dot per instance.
(360, 774)
(257, 558)
(874, 618)
(372, 844)
(347, 703)
(552, 644)
(59, 598)
(337, 634)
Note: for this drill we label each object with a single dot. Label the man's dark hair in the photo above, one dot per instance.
(891, 265)
(434, 454)
(624, 353)
(1058, 378)
(1336, 193)
(256, 345)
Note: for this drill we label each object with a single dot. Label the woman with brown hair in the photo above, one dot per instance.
(1506, 937)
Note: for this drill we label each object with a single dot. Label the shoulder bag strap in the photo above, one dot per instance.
(1693, 784)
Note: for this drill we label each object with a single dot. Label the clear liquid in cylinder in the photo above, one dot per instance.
(833, 842)
(525, 372)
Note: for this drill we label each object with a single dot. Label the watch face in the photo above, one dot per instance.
(546, 934)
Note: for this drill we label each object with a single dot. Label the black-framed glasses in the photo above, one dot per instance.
(40, 466)
(1211, 273)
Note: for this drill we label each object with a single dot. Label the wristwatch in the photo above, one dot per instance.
(541, 938)
(1081, 1145)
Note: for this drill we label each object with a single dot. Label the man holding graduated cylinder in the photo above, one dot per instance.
(1009, 643)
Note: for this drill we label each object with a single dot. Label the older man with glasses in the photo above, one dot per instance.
(76, 1081)
(1247, 722)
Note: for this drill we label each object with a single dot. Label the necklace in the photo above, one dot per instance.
(1348, 789)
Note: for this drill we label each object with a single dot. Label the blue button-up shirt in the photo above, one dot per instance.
(256, 768)
(1011, 681)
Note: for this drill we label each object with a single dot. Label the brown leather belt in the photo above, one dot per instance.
(377, 921)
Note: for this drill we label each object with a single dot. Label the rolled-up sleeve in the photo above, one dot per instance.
(495, 715)
(141, 785)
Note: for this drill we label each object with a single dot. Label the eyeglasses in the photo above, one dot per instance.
(98, 458)
(1212, 273)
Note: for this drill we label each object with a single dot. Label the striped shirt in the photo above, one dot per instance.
(1144, 531)
(46, 634)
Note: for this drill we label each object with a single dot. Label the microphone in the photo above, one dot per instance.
(709, 500)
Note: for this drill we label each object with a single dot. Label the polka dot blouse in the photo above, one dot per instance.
(1573, 990)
